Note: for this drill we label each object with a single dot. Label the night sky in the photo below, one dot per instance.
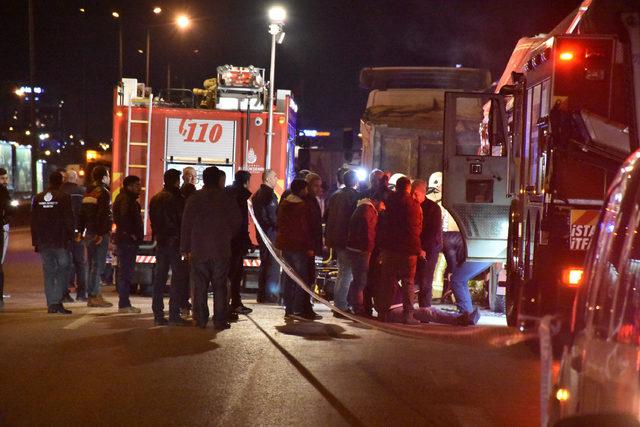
(327, 43)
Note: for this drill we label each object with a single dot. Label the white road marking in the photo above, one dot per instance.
(79, 322)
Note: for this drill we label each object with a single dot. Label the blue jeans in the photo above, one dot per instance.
(459, 283)
(343, 281)
(296, 300)
(203, 273)
(269, 278)
(55, 265)
(126, 253)
(79, 268)
(168, 256)
(360, 270)
(96, 259)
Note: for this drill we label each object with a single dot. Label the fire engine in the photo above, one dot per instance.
(222, 125)
(526, 168)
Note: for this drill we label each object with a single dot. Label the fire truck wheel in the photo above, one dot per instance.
(512, 300)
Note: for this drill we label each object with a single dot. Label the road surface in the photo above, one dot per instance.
(96, 367)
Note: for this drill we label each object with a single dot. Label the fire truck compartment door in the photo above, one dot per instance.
(474, 187)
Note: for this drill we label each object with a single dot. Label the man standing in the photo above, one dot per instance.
(189, 179)
(95, 224)
(265, 207)
(314, 212)
(400, 245)
(165, 211)
(339, 210)
(211, 218)
(361, 241)
(294, 239)
(430, 240)
(5, 214)
(241, 242)
(78, 258)
(51, 235)
(129, 234)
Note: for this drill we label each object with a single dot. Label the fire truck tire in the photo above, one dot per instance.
(512, 300)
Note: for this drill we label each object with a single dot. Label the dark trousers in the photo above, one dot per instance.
(424, 276)
(396, 268)
(55, 266)
(168, 257)
(203, 273)
(269, 278)
(296, 300)
(1, 264)
(79, 264)
(235, 274)
(360, 269)
(126, 253)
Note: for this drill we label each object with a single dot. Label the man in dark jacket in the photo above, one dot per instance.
(361, 241)
(339, 210)
(210, 220)
(95, 223)
(430, 239)
(400, 245)
(165, 212)
(51, 235)
(77, 251)
(294, 238)
(241, 242)
(265, 208)
(129, 234)
(5, 214)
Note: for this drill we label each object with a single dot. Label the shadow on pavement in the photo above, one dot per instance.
(315, 331)
(140, 345)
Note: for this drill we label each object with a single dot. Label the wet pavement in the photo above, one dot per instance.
(97, 367)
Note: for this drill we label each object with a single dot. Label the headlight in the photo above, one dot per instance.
(361, 174)
(15, 203)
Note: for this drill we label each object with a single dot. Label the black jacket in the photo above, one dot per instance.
(95, 214)
(240, 194)
(51, 220)
(128, 219)
(165, 212)
(431, 235)
(265, 207)
(211, 218)
(76, 192)
(187, 190)
(341, 206)
(6, 210)
(315, 222)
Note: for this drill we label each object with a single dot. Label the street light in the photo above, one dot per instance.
(182, 22)
(116, 15)
(277, 16)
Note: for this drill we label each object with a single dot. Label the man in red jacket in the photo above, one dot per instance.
(401, 226)
(294, 238)
(361, 240)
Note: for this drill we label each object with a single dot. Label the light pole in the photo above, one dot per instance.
(116, 16)
(182, 22)
(277, 16)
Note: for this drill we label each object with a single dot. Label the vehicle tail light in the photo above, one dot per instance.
(567, 56)
(562, 394)
(572, 277)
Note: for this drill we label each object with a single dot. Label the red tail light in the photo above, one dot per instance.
(567, 56)
(572, 277)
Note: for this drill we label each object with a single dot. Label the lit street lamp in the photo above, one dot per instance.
(277, 16)
(182, 22)
(116, 15)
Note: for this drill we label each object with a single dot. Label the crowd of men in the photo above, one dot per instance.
(386, 242)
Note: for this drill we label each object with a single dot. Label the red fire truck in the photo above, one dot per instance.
(225, 126)
(526, 169)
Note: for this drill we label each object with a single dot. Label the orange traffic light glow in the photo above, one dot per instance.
(566, 56)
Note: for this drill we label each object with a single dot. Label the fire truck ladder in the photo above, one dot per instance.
(142, 102)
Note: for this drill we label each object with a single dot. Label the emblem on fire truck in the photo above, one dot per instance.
(583, 227)
(251, 156)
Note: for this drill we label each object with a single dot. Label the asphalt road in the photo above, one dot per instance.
(96, 367)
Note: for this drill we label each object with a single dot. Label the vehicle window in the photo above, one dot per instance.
(535, 115)
(470, 130)
(607, 261)
(544, 105)
(527, 135)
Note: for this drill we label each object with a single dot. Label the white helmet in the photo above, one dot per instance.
(435, 181)
(394, 178)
